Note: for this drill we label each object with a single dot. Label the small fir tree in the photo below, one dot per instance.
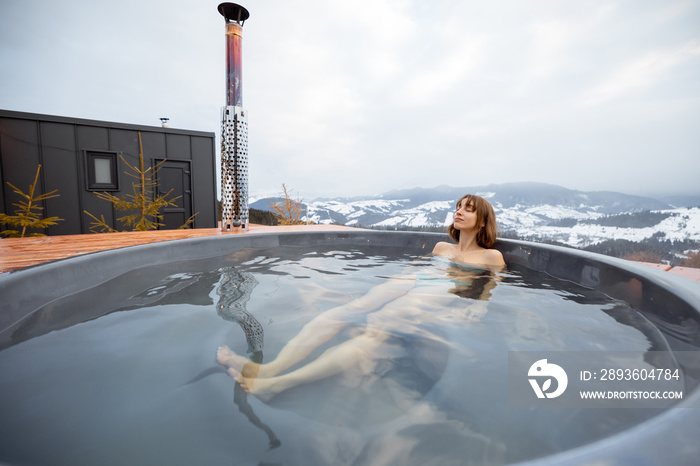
(28, 213)
(145, 213)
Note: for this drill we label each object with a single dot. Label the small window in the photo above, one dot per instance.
(102, 171)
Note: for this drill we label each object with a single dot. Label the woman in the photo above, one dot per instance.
(397, 307)
(474, 230)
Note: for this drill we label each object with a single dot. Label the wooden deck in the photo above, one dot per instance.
(16, 253)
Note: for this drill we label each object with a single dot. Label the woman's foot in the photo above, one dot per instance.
(239, 364)
(264, 389)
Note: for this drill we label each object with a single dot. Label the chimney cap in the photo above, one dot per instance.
(233, 12)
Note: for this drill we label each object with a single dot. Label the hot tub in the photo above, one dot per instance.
(109, 358)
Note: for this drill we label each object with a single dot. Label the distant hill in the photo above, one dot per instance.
(527, 210)
(530, 194)
(682, 201)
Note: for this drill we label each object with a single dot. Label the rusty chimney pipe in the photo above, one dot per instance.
(234, 126)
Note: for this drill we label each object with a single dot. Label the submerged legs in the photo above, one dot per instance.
(312, 335)
(337, 359)
(264, 379)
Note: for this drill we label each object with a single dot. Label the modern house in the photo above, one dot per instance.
(81, 157)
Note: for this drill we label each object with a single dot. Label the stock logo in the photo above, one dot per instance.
(545, 372)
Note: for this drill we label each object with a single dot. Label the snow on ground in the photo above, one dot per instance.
(560, 212)
(391, 222)
(435, 206)
(525, 221)
(514, 219)
(353, 208)
(683, 224)
(448, 219)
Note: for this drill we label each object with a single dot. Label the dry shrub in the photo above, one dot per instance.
(288, 211)
(693, 260)
(644, 256)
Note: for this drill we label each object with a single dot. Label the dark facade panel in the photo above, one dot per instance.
(178, 147)
(203, 171)
(124, 141)
(153, 147)
(93, 137)
(75, 156)
(61, 173)
(21, 138)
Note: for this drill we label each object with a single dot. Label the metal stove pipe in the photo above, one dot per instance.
(234, 126)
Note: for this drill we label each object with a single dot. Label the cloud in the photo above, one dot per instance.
(347, 99)
(641, 73)
(434, 75)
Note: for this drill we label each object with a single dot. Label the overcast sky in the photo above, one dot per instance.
(358, 98)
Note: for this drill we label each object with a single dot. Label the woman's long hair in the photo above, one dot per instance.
(486, 236)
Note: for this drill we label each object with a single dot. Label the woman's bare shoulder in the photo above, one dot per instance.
(493, 257)
(488, 257)
(444, 249)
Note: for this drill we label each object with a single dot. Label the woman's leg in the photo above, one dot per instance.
(338, 359)
(315, 333)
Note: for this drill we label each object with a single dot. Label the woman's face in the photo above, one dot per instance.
(465, 216)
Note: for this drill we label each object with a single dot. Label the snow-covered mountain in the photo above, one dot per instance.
(528, 210)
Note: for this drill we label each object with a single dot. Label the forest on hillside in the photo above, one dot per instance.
(656, 249)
